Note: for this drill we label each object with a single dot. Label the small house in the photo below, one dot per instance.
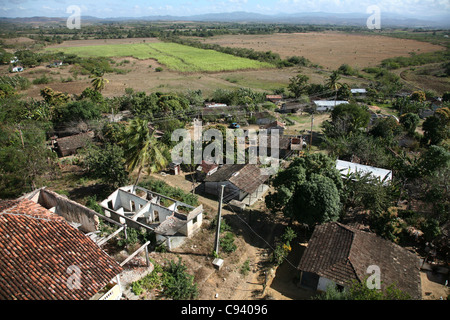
(275, 98)
(206, 168)
(175, 168)
(327, 105)
(17, 69)
(337, 254)
(359, 92)
(243, 182)
(69, 145)
(275, 125)
(346, 168)
(214, 105)
(291, 107)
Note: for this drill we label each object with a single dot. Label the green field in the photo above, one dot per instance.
(174, 56)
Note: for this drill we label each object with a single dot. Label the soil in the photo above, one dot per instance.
(255, 236)
(330, 49)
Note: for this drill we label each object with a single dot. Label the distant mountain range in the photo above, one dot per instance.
(319, 18)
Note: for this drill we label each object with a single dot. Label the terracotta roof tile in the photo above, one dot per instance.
(37, 247)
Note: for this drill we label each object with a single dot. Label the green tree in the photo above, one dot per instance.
(358, 290)
(346, 119)
(387, 129)
(142, 148)
(333, 83)
(107, 164)
(77, 111)
(307, 175)
(437, 127)
(298, 85)
(25, 159)
(98, 82)
(317, 201)
(409, 121)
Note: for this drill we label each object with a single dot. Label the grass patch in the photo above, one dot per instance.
(174, 56)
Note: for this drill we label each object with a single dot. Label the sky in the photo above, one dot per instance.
(139, 8)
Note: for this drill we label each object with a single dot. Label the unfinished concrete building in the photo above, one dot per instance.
(172, 220)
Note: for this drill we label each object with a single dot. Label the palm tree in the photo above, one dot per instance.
(334, 84)
(98, 82)
(142, 149)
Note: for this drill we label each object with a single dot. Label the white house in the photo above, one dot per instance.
(327, 105)
(346, 167)
(17, 69)
(358, 91)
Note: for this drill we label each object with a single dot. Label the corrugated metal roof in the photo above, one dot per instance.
(349, 167)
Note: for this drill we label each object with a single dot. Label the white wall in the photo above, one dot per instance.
(324, 283)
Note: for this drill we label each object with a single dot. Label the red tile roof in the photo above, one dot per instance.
(36, 249)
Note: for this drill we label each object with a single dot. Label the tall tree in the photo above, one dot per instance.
(142, 148)
(298, 85)
(308, 191)
(98, 82)
(334, 84)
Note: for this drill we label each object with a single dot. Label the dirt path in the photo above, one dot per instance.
(253, 238)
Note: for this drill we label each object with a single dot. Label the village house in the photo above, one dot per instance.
(338, 254)
(43, 257)
(275, 125)
(291, 107)
(359, 92)
(17, 69)
(346, 168)
(76, 214)
(243, 183)
(287, 145)
(206, 168)
(171, 220)
(67, 146)
(327, 105)
(263, 118)
(275, 98)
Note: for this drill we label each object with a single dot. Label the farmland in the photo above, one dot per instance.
(330, 49)
(174, 56)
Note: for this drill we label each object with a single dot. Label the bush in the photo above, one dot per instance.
(227, 243)
(159, 69)
(177, 283)
(42, 80)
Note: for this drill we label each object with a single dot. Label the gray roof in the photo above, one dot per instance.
(341, 253)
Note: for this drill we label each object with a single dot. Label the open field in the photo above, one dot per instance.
(174, 56)
(331, 49)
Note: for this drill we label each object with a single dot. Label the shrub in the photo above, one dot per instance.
(227, 243)
(42, 80)
(159, 69)
(177, 283)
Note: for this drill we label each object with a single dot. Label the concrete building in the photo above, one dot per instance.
(172, 221)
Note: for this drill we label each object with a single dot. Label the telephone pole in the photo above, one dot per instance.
(219, 217)
(310, 139)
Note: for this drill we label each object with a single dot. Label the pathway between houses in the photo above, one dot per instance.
(254, 244)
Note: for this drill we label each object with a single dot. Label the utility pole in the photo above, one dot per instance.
(310, 139)
(219, 217)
